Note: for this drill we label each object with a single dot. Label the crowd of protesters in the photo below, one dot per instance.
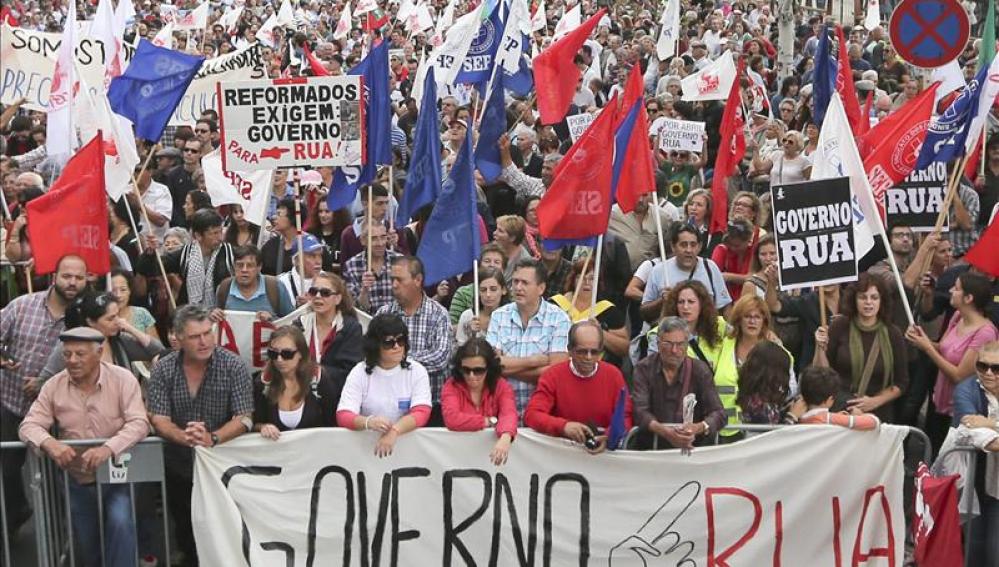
(539, 351)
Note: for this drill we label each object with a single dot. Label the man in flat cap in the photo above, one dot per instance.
(91, 399)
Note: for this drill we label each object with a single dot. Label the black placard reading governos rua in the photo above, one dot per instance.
(813, 226)
(917, 200)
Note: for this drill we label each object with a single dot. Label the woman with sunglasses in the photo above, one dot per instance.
(336, 340)
(478, 398)
(787, 165)
(123, 344)
(955, 354)
(288, 394)
(387, 392)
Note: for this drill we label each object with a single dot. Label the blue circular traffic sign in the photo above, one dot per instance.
(929, 33)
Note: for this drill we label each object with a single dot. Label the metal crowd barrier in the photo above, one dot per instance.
(967, 492)
(48, 492)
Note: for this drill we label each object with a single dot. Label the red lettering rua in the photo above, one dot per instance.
(721, 559)
(887, 551)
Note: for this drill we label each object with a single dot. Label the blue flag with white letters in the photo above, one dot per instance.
(152, 87)
(377, 129)
(478, 64)
(451, 242)
(423, 180)
(946, 136)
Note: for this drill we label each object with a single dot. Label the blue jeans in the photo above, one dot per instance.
(119, 527)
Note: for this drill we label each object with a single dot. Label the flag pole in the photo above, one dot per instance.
(391, 187)
(368, 224)
(579, 282)
(149, 223)
(135, 227)
(298, 227)
(659, 227)
(475, 288)
(27, 278)
(596, 277)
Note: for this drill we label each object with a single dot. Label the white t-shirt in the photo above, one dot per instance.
(157, 198)
(387, 393)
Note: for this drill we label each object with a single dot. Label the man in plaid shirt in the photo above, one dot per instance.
(29, 328)
(429, 325)
(529, 334)
(371, 286)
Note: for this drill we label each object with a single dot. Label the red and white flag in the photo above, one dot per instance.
(195, 19)
(936, 527)
(364, 6)
(266, 32)
(712, 82)
(94, 115)
(730, 153)
(571, 19)
(344, 23)
(60, 137)
(106, 29)
(72, 218)
(165, 37)
(539, 20)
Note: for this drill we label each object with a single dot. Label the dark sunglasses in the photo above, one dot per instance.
(587, 351)
(188, 151)
(473, 370)
(287, 354)
(985, 367)
(392, 342)
(322, 292)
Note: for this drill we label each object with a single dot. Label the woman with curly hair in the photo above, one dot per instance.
(387, 392)
(690, 301)
(764, 388)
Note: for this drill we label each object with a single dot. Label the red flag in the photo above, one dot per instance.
(314, 63)
(936, 528)
(634, 168)
(890, 148)
(7, 16)
(844, 86)
(72, 218)
(974, 158)
(865, 115)
(983, 254)
(577, 205)
(554, 68)
(634, 89)
(730, 152)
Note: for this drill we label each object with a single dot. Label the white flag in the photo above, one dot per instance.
(249, 189)
(165, 37)
(448, 58)
(231, 18)
(60, 136)
(195, 19)
(873, 17)
(950, 77)
(266, 32)
(669, 30)
(106, 30)
(421, 77)
(419, 19)
(712, 82)
(571, 20)
(837, 156)
(344, 23)
(285, 14)
(511, 46)
(539, 20)
(120, 157)
(443, 23)
(406, 7)
(365, 6)
(124, 12)
(987, 94)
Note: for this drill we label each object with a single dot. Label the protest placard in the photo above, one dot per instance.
(578, 123)
(27, 62)
(917, 200)
(291, 122)
(242, 65)
(321, 497)
(681, 135)
(813, 227)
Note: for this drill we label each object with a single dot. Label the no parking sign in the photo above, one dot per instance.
(929, 33)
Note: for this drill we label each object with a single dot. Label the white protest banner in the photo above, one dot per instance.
(917, 200)
(813, 228)
(242, 333)
(681, 135)
(249, 189)
(27, 62)
(713, 82)
(578, 123)
(321, 497)
(288, 123)
(242, 65)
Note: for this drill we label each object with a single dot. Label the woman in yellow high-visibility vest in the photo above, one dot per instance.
(691, 301)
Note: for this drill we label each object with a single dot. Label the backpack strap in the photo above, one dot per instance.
(222, 293)
(273, 294)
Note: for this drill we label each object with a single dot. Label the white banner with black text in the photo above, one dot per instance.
(802, 495)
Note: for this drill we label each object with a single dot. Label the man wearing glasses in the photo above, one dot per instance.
(179, 179)
(976, 408)
(576, 398)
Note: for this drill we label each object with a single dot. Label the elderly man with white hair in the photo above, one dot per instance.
(527, 139)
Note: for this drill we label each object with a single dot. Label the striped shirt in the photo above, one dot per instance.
(430, 340)
(547, 332)
(29, 332)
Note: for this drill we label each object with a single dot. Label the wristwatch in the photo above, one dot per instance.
(493, 421)
(215, 439)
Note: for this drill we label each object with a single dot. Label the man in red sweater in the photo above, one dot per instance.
(577, 395)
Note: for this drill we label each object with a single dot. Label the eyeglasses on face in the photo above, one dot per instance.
(322, 291)
(985, 368)
(473, 370)
(392, 342)
(591, 352)
(286, 354)
(190, 151)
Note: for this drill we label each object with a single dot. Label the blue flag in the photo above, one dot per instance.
(946, 136)
(451, 242)
(617, 430)
(377, 129)
(423, 180)
(493, 125)
(823, 77)
(150, 90)
(478, 64)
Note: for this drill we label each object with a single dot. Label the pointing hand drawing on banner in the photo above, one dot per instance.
(657, 539)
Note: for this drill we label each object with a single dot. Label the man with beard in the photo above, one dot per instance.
(29, 328)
